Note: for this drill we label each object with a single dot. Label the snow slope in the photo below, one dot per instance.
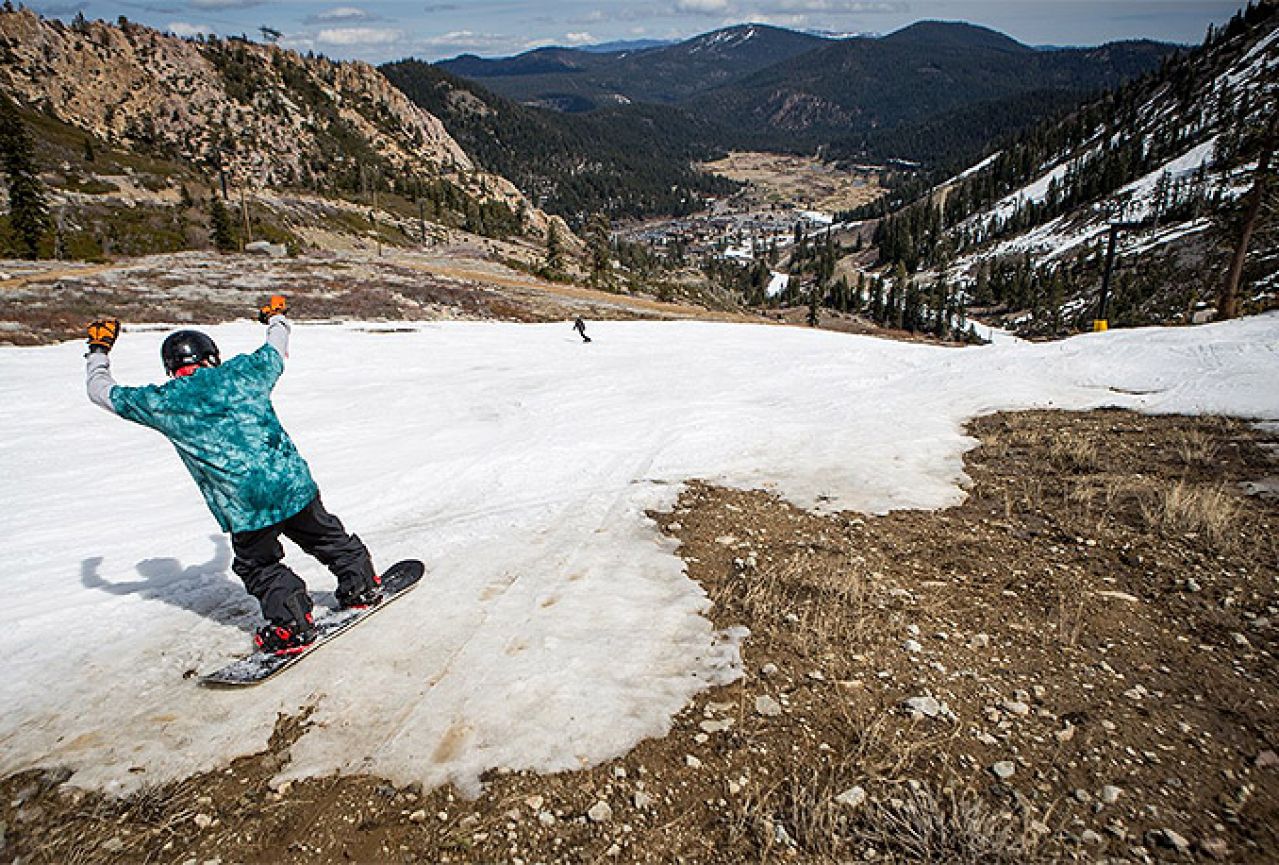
(556, 627)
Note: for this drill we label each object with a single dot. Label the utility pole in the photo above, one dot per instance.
(1100, 323)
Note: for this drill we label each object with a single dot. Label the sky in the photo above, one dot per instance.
(438, 29)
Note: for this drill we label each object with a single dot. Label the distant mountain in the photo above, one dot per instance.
(953, 34)
(771, 88)
(625, 161)
(668, 74)
(862, 89)
(626, 45)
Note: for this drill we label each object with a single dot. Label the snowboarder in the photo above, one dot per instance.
(580, 327)
(220, 418)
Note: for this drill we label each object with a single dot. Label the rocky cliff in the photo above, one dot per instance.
(268, 117)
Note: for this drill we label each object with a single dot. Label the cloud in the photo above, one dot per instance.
(225, 4)
(701, 7)
(186, 31)
(440, 7)
(578, 39)
(357, 36)
(466, 39)
(342, 13)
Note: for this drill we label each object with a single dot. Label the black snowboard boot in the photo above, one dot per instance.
(286, 638)
(359, 597)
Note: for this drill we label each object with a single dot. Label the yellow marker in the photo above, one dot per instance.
(1099, 324)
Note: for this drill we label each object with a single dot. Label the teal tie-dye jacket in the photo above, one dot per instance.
(225, 429)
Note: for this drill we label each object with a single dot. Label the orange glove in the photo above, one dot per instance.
(102, 334)
(278, 305)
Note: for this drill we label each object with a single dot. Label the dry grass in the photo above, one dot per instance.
(904, 822)
(1208, 511)
(820, 600)
(1074, 453)
(1196, 447)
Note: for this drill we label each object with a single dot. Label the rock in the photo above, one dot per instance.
(853, 797)
(262, 247)
(1065, 734)
(781, 836)
(912, 646)
(546, 818)
(924, 705)
(1266, 760)
(600, 812)
(1110, 794)
(204, 821)
(768, 670)
(613, 852)
(1091, 838)
(1082, 795)
(535, 803)
(1192, 586)
(113, 845)
(642, 800)
(767, 706)
(1169, 839)
(716, 726)
(979, 641)
(913, 630)
(692, 762)
(1215, 848)
(1015, 707)
(1004, 769)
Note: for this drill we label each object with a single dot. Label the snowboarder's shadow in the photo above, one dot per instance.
(205, 589)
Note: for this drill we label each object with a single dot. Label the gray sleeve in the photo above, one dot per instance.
(98, 379)
(277, 334)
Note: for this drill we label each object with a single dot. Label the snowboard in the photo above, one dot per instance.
(260, 666)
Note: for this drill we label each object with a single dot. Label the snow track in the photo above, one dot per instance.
(556, 627)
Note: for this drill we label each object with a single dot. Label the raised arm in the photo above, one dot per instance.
(278, 327)
(97, 368)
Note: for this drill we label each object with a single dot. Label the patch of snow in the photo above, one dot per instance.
(556, 627)
(777, 284)
(969, 172)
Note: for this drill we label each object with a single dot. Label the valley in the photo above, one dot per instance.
(789, 181)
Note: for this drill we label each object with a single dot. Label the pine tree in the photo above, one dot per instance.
(28, 210)
(599, 249)
(554, 249)
(220, 226)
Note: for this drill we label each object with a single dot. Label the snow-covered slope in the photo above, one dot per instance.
(556, 627)
(1166, 158)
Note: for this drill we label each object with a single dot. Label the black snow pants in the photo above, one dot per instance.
(282, 594)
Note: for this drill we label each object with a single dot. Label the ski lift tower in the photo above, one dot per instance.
(1100, 323)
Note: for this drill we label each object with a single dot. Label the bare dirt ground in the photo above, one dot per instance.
(790, 179)
(1075, 665)
(42, 302)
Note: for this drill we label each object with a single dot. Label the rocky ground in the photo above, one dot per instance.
(1075, 665)
(48, 301)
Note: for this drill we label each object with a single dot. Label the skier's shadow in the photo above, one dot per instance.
(203, 589)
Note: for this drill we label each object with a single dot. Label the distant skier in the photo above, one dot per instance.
(580, 327)
(220, 418)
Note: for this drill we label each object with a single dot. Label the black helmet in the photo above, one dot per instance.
(186, 347)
